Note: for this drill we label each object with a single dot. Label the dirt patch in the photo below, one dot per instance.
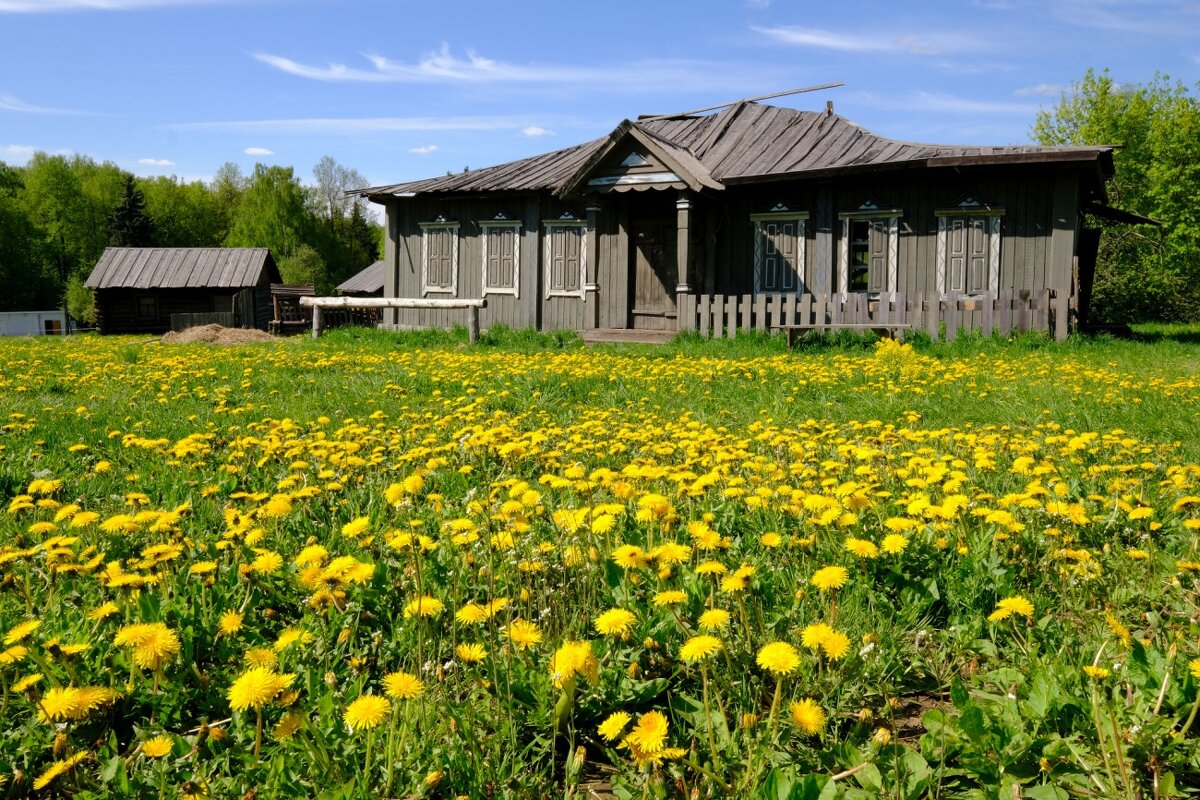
(217, 334)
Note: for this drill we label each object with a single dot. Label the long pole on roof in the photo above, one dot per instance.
(747, 100)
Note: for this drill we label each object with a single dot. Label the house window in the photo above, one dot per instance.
(867, 259)
(501, 256)
(439, 257)
(147, 306)
(565, 259)
(968, 248)
(779, 251)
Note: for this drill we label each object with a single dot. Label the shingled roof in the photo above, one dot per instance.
(181, 267)
(743, 143)
(367, 281)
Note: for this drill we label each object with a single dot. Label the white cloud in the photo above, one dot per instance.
(423, 150)
(39, 6)
(858, 42)
(258, 151)
(1041, 90)
(10, 102)
(535, 130)
(156, 162)
(355, 125)
(442, 66)
(23, 152)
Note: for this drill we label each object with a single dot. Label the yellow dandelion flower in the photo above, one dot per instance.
(256, 687)
(366, 712)
(103, 612)
(402, 686)
(1012, 605)
(289, 637)
(814, 635)
(1194, 668)
(808, 716)
(523, 633)
(615, 622)
(202, 568)
(27, 682)
(356, 527)
(711, 568)
(153, 643)
(836, 645)
(629, 556)
(261, 657)
(11, 655)
(612, 727)
(670, 597)
(571, 659)
(266, 562)
(18, 632)
(894, 543)
(287, 726)
(157, 747)
(1097, 673)
(649, 735)
(231, 623)
(770, 539)
(827, 578)
(714, 619)
(699, 647)
(779, 658)
(470, 652)
(472, 614)
(863, 548)
(424, 606)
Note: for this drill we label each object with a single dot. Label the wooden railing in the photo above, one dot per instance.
(1004, 312)
(317, 304)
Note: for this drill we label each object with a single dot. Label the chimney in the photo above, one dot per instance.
(829, 108)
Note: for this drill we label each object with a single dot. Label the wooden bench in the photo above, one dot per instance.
(882, 329)
(290, 314)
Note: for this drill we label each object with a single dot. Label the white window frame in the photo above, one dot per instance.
(486, 227)
(892, 215)
(992, 225)
(550, 224)
(438, 225)
(801, 220)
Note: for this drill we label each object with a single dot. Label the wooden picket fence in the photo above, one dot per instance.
(1003, 312)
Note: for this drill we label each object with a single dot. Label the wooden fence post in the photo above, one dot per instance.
(316, 321)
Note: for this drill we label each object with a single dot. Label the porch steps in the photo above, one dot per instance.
(625, 336)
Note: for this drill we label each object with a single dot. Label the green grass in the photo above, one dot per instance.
(972, 450)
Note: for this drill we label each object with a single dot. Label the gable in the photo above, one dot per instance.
(632, 166)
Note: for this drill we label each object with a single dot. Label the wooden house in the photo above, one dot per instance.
(156, 289)
(755, 216)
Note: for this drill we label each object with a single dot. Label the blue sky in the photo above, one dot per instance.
(400, 89)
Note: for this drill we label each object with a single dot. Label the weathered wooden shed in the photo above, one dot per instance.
(751, 217)
(155, 289)
(367, 283)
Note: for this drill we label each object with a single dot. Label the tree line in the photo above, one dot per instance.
(1142, 272)
(58, 213)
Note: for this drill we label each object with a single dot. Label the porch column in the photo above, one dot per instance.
(591, 288)
(683, 292)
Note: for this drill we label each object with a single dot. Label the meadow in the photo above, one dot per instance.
(380, 565)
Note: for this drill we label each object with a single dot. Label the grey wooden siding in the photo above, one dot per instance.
(1037, 230)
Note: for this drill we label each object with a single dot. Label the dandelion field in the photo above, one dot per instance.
(378, 566)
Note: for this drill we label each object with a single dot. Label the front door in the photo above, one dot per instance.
(654, 273)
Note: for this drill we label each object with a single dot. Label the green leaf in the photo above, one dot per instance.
(974, 725)
(1044, 792)
(958, 694)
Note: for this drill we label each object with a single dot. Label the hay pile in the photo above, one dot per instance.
(217, 334)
